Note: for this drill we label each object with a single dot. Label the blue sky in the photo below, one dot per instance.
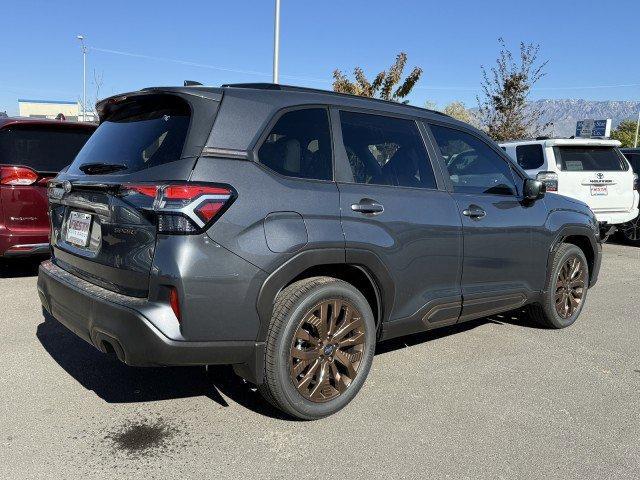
(588, 44)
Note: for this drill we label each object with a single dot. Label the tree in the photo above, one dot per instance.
(382, 85)
(431, 105)
(504, 112)
(458, 111)
(626, 133)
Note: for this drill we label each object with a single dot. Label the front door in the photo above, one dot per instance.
(392, 206)
(501, 267)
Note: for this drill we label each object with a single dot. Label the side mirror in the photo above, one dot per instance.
(533, 190)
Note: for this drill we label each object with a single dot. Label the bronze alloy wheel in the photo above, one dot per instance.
(631, 230)
(326, 350)
(570, 286)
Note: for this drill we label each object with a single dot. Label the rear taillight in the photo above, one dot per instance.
(17, 176)
(182, 208)
(550, 180)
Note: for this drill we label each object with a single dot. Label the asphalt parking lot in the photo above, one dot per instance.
(496, 398)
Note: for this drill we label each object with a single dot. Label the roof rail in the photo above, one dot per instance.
(293, 88)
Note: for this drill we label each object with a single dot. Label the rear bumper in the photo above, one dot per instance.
(24, 245)
(116, 323)
(616, 218)
(620, 216)
(27, 250)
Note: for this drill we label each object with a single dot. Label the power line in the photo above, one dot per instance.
(586, 87)
(326, 81)
(203, 65)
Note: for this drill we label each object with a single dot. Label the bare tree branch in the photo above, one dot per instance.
(504, 111)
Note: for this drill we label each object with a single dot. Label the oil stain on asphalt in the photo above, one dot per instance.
(142, 438)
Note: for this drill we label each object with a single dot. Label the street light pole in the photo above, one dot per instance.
(84, 77)
(276, 44)
(635, 143)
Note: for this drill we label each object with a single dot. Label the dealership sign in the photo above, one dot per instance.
(593, 128)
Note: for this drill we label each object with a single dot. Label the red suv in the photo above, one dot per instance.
(31, 152)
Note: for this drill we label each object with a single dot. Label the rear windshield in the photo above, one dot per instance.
(588, 159)
(143, 133)
(44, 149)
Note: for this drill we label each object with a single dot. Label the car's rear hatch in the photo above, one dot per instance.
(598, 175)
(102, 208)
(31, 153)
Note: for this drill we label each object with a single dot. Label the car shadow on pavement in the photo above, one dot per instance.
(15, 268)
(115, 382)
(515, 317)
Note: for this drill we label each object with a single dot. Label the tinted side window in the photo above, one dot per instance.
(530, 156)
(299, 145)
(386, 151)
(474, 167)
(634, 160)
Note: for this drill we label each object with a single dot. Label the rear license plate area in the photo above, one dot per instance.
(599, 190)
(78, 228)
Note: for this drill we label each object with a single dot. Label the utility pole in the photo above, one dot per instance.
(84, 77)
(276, 44)
(635, 143)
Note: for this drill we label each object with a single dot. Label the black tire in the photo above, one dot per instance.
(291, 307)
(546, 314)
(630, 232)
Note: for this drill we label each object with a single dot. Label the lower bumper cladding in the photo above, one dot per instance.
(114, 323)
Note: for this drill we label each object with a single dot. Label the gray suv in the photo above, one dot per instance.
(285, 231)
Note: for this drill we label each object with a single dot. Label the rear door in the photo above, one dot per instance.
(393, 206)
(600, 176)
(102, 208)
(31, 154)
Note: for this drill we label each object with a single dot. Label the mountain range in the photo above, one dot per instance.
(565, 113)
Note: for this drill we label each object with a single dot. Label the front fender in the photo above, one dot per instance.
(565, 223)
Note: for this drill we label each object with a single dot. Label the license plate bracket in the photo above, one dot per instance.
(78, 228)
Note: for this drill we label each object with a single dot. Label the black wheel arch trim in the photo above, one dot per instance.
(368, 262)
(576, 230)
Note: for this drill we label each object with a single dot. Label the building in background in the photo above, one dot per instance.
(71, 111)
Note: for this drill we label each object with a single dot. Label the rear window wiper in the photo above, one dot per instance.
(98, 168)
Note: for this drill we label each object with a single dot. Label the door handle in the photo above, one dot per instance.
(368, 206)
(474, 212)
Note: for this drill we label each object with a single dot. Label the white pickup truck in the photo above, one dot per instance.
(591, 170)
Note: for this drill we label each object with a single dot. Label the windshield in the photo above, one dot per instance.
(141, 134)
(589, 159)
(42, 148)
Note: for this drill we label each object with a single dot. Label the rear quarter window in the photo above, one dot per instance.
(299, 145)
(530, 157)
